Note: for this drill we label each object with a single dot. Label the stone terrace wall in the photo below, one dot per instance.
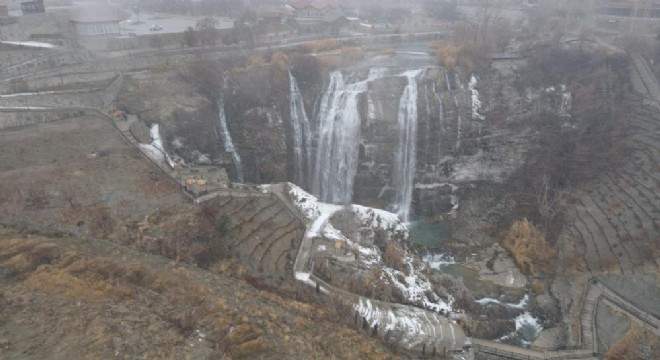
(9, 119)
(49, 60)
(30, 84)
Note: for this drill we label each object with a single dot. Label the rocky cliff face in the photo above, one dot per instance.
(448, 152)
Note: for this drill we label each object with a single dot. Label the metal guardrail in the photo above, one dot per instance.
(615, 298)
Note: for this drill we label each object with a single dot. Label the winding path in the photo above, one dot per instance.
(595, 291)
(412, 328)
(421, 330)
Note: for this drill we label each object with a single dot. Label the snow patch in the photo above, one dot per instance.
(155, 149)
(527, 329)
(436, 185)
(416, 287)
(34, 44)
(438, 261)
(522, 304)
(476, 103)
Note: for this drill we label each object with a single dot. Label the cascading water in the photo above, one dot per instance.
(459, 125)
(441, 113)
(226, 139)
(302, 139)
(338, 138)
(566, 102)
(404, 165)
(447, 82)
(476, 103)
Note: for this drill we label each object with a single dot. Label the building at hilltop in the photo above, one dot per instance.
(631, 8)
(322, 10)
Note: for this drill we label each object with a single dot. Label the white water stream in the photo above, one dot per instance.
(302, 138)
(338, 138)
(227, 141)
(406, 154)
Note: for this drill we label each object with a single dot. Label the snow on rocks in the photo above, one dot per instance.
(415, 287)
(527, 329)
(476, 103)
(412, 284)
(319, 213)
(438, 261)
(520, 305)
(33, 44)
(380, 219)
(414, 326)
(155, 149)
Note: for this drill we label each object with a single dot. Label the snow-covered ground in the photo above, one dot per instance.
(412, 327)
(416, 288)
(438, 261)
(520, 305)
(527, 329)
(155, 150)
(33, 44)
(412, 284)
(527, 326)
(476, 103)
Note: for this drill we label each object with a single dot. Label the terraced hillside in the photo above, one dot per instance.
(262, 232)
(617, 217)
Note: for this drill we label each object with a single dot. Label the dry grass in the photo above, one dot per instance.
(538, 288)
(446, 53)
(280, 60)
(101, 222)
(22, 256)
(637, 344)
(319, 45)
(240, 322)
(529, 248)
(352, 53)
(449, 54)
(330, 61)
(394, 255)
(387, 52)
(256, 60)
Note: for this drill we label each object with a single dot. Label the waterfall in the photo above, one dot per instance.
(459, 125)
(404, 166)
(226, 139)
(441, 114)
(476, 103)
(338, 138)
(447, 81)
(566, 102)
(302, 159)
(441, 126)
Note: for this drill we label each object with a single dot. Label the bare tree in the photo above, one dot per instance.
(206, 30)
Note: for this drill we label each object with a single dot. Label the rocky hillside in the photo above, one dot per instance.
(62, 296)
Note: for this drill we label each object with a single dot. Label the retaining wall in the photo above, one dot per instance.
(10, 119)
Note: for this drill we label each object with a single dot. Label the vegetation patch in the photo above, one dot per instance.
(529, 248)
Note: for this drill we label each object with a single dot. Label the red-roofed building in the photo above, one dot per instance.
(96, 22)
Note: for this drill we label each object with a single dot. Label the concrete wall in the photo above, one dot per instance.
(10, 119)
(45, 60)
(29, 84)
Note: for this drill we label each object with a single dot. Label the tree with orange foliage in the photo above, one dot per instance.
(529, 248)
